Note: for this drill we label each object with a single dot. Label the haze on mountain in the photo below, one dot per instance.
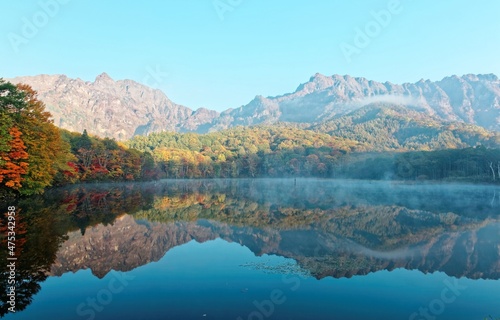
(124, 108)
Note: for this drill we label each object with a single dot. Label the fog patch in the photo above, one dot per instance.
(392, 99)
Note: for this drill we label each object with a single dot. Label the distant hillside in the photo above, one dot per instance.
(384, 128)
(371, 128)
(122, 109)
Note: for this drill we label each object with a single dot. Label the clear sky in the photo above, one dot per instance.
(222, 53)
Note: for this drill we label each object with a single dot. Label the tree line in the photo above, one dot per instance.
(474, 164)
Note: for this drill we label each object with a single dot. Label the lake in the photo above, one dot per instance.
(258, 249)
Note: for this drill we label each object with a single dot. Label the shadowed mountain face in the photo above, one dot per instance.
(121, 109)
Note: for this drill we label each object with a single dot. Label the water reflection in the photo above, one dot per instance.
(336, 229)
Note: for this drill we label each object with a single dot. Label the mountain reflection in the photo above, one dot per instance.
(337, 229)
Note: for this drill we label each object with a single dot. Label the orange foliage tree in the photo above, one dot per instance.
(47, 151)
(13, 167)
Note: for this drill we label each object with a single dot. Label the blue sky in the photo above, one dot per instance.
(221, 53)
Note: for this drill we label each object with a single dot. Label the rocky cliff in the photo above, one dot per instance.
(473, 99)
(108, 108)
(124, 108)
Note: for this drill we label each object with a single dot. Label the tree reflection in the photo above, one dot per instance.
(331, 229)
(42, 223)
(36, 242)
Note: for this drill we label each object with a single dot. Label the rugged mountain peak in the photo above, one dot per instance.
(454, 80)
(103, 77)
(480, 77)
(470, 98)
(319, 78)
(488, 77)
(108, 108)
(261, 99)
(316, 82)
(123, 108)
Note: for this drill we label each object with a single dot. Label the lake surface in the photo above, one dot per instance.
(258, 249)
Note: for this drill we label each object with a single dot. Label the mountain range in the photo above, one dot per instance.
(124, 108)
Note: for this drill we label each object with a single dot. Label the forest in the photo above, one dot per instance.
(371, 143)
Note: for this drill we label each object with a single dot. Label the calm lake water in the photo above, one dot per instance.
(258, 249)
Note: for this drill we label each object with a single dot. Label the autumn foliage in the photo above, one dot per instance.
(31, 149)
(14, 166)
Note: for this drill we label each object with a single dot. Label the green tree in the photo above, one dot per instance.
(81, 142)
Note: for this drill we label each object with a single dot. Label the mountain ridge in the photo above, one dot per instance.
(108, 108)
(124, 108)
